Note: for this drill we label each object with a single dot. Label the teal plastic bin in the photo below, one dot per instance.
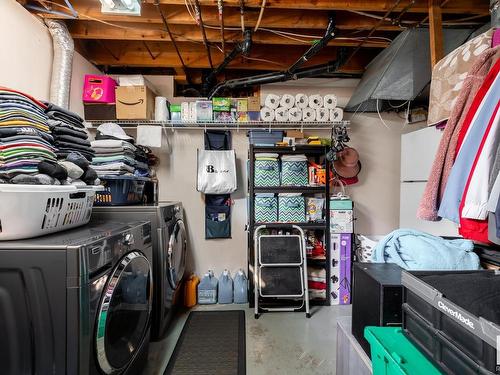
(393, 354)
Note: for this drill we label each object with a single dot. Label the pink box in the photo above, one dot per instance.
(99, 89)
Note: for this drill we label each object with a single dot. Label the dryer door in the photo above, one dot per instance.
(124, 313)
(177, 254)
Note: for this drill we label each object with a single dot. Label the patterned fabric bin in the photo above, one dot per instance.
(294, 173)
(291, 209)
(267, 173)
(266, 209)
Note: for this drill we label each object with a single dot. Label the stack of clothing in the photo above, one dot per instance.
(117, 154)
(316, 281)
(25, 140)
(69, 132)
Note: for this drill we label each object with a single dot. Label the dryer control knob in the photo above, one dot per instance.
(129, 239)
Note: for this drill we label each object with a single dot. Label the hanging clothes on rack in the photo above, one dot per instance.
(445, 156)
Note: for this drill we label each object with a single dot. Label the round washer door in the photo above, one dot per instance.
(124, 313)
(176, 256)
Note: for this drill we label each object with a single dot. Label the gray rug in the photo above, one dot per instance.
(211, 342)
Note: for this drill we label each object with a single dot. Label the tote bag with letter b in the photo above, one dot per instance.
(216, 172)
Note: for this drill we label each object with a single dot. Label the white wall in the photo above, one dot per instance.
(376, 195)
(26, 57)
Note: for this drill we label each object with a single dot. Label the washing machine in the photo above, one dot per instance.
(77, 302)
(169, 253)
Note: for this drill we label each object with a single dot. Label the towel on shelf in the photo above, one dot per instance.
(415, 250)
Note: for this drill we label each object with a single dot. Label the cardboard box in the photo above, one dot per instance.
(254, 116)
(242, 105)
(253, 103)
(204, 111)
(294, 134)
(134, 103)
(221, 104)
(99, 111)
(340, 269)
(341, 221)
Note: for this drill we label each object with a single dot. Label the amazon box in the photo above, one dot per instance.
(134, 103)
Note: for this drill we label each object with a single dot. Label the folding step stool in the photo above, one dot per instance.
(280, 269)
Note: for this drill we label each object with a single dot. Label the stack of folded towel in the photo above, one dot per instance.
(25, 140)
(316, 281)
(114, 157)
(69, 132)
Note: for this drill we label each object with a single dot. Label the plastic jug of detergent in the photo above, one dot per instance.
(207, 289)
(225, 288)
(190, 290)
(240, 287)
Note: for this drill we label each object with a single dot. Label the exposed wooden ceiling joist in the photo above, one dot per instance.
(147, 32)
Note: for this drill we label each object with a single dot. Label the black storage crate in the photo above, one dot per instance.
(454, 317)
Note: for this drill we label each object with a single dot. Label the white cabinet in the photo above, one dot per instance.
(411, 193)
(418, 150)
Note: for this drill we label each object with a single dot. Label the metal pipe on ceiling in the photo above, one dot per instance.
(165, 23)
(199, 19)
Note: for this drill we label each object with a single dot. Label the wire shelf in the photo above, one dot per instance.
(250, 125)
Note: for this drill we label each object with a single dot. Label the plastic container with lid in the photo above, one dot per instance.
(240, 287)
(207, 289)
(225, 288)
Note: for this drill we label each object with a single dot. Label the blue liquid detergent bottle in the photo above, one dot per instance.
(240, 287)
(225, 288)
(207, 289)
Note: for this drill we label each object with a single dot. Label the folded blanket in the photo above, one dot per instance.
(414, 250)
(294, 158)
(110, 159)
(111, 143)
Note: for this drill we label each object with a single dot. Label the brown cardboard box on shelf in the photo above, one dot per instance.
(99, 111)
(294, 134)
(253, 103)
(134, 103)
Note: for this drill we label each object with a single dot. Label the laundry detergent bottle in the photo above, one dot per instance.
(190, 290)
(207, 289)
(240, 287)
(225, 288)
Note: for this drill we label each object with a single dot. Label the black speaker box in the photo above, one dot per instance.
(377, 298)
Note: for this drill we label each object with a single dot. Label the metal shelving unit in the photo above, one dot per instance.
(250, 125)
(324, 226)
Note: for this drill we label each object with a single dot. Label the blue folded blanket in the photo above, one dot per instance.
(414, 250)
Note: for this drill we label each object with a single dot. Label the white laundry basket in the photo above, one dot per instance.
(33, 210)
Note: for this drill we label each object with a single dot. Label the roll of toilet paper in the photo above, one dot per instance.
(301, 100)
(272, 101)
(322, 114)
(315, 101)
(330, 101)
(308, 114)
(295, 114)
(287, 101)
(161, 110)
(336, 114)
(281, 114)
(267, 114)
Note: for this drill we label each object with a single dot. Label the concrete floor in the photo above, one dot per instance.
(276, 343)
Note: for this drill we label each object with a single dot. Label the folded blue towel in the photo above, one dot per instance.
(414, 250)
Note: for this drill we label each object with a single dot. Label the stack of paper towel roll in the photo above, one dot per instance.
(300, 107)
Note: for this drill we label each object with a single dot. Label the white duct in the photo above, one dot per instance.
(62, 64)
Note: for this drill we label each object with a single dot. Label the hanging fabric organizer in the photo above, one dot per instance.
(217, 206)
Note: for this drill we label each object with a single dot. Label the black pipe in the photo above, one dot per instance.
(316, 47)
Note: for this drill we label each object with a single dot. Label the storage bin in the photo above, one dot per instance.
(267, 173)
(217, 222)
(265, 137)
(33, 210)
(98, 89)
(294, 173)
(454, 317)
(266, 209)
(121, 190)
(393, 354)
(291, 209)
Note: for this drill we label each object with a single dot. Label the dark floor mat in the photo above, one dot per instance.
(211, 342)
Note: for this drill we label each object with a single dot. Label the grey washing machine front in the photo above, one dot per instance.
(77, 302)
(169, 253)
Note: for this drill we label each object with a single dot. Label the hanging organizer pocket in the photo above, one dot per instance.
(267, 173)
(217, 222)
(266, 209)
(291, 209)
(294, 173)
